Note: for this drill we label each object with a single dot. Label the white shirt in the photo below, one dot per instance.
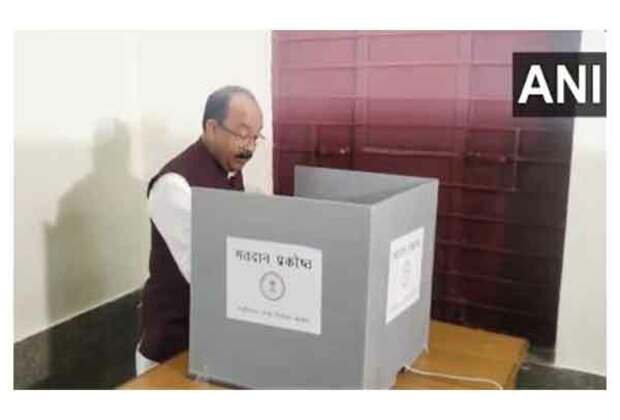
(170, 209)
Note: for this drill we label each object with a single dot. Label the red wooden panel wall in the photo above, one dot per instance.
(438, 104)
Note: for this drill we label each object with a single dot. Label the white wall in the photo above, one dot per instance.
(581, 340)
(96, 114)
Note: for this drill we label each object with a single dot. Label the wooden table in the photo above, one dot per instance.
(453, 350)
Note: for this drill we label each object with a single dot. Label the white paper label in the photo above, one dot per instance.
(274, 284)
(405, 273)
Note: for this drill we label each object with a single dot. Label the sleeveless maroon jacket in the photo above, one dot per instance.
(165, 298)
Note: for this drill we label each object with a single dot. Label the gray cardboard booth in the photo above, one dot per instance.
(329, 288)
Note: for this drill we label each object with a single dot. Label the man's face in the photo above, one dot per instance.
(235, 138)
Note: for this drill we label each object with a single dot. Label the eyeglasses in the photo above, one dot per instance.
(246, 139)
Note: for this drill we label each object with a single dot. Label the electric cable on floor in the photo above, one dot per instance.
(458, 378)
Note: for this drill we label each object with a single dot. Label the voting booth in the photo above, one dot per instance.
(329, 288)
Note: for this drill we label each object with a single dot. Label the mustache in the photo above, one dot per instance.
(244, 155)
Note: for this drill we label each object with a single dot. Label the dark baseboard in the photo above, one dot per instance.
(94, 350)
(536, 376)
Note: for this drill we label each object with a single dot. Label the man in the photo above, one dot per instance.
(231, 126)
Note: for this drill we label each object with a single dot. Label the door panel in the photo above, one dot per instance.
(438, 104)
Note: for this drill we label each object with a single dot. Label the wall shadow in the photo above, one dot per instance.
(98, 243)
